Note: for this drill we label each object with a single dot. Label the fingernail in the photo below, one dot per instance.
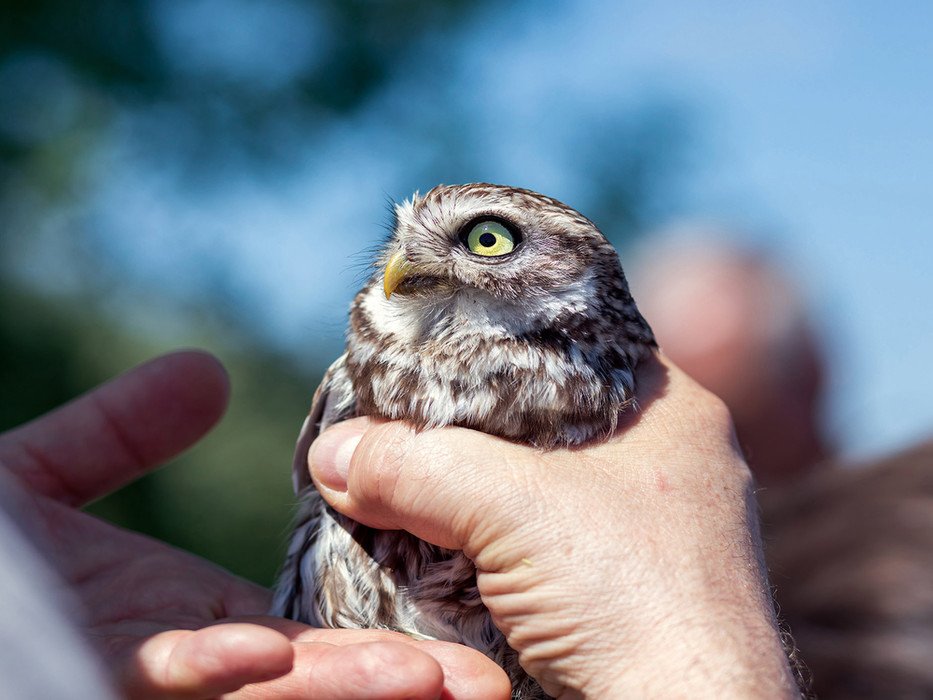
(331, 453)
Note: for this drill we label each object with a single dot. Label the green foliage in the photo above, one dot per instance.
(132, 54)
(229, 498)
(40, 368)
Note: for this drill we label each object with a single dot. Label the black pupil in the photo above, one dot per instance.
(487, 240)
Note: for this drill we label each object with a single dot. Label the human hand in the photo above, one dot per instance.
(629, 568)
(172, 625)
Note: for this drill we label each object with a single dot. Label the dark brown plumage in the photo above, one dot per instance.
(493, 308)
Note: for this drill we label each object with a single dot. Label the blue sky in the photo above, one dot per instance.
(812, 137)
(819, 118)
(828, 141)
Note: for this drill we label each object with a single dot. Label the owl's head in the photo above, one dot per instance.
(497, 247)
(498, 309)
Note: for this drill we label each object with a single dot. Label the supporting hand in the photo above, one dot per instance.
(169, 624)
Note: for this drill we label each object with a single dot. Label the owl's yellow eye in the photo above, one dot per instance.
(490, 238)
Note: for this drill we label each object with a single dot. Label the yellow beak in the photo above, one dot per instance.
(396, 271)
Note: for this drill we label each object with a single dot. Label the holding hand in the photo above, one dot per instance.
(626, 569)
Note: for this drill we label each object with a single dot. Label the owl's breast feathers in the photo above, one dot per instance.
(464, 360)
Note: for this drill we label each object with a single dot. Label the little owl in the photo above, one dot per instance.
(493, 308)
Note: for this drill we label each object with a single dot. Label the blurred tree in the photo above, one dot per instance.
(69, 74)
(230, 497)
(68, 66)
(203, 91)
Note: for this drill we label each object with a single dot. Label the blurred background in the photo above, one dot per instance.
(217, 173)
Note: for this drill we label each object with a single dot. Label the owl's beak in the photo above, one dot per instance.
(398, 269)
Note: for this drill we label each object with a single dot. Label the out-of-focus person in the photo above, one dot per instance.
(736, 323)
(849, 547)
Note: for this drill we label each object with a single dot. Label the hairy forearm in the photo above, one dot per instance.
(719, 653)
(714, 633)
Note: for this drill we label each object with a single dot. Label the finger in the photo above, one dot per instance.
(467, 674)
(111, 435)
(182, 664)
(364, 671)
(437, 484)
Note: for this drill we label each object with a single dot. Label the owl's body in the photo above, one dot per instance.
(498, 309)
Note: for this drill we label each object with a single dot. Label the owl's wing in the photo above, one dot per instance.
(333, 402)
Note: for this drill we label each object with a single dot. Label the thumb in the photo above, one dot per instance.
(453, 487)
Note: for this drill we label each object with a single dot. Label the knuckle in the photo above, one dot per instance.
(717, 413)
(704, 419)
(380, 461)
